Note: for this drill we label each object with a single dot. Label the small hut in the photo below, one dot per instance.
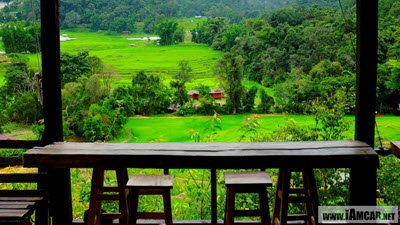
(194, 95)
(217, 93)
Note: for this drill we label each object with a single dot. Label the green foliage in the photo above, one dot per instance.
(248, 100)
(26, 109)
(184, 72)
(38, 129)
(103, 122)
(124, 96)
(90, 111)
(207, 31)
(19, 94)
(388, 181)
(182, 77)
(388, 87)
(18, 37)
(19, 78)
(169, 32)
(74, 66)
(266, 102)
(149, 94)
(230, 70)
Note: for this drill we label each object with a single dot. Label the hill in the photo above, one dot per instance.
(125, 14)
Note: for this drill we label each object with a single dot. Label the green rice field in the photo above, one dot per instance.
(178, 129)
(115, 52)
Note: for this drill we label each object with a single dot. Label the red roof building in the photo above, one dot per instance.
(194, 94)
(217, 93)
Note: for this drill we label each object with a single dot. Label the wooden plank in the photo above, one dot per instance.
(15, 203)
(395, 147)
(10, 161)
(205, 146)
(21, 199)
(197, 148)
(36, 193)
(20, 177)
(89, 154)
(198, 155)
(150, 181)
(22, 205)
(20, 144)
(233, 178)
(13, 213)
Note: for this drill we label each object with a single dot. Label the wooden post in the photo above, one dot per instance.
(367, 62)
(60, 184)
(214, 197)
(363, 180)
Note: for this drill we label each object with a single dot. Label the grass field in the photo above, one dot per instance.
(158, 129)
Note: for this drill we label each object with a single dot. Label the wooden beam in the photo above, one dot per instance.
(367, 62)
(20, 144)
(61, 203)
(363, 182)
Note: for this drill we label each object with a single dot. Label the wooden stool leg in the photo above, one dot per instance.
(311, 206)
(95, 205)
(133, 196)
(264, 208)
(167, 207)
(42, 213)
(97, 192)
(122, 178)
(282, 197)
(230, 206)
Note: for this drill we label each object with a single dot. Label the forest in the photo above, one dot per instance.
(96, 15)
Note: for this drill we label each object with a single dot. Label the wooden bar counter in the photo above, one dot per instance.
(358, 156)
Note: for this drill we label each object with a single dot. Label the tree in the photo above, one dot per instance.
(150, 96)
(19, 78)
(166, 29)
(72, 19)
(266, 102)
(25, 109)
(181, 77)
(230, 70)
(18, 37)
(184, 71)
(103, 121)
(207, 31)
(248, 101)
(74, 66)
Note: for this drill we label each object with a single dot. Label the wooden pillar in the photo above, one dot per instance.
(60, 184)
(367, 60)
(363, 180)
(214, 216)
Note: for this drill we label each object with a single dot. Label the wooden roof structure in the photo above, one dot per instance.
(367, 38)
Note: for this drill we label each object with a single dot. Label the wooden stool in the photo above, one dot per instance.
(149, 185)
(306, 195)
(99, 194)
(247, 182)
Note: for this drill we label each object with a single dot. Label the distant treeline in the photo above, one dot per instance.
(123, 15)
(307, 54)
